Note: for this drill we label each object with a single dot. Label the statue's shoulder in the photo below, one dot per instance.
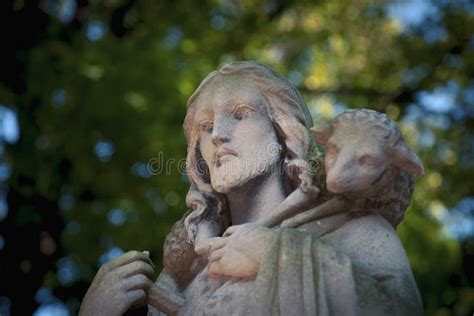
(371, 242)
(380, 266)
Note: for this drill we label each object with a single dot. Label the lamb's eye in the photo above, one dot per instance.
(242, 111)
(368, 161)
(206, 126)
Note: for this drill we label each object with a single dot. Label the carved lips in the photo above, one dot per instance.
(223, 153)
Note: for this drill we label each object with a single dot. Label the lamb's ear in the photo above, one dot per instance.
(320, 134)
(407, 160)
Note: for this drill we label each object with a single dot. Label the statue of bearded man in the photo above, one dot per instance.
(249, 149)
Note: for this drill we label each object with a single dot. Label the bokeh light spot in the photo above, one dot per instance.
(434, 180)
(104, 150)
(59, 97)
(95, 30)
(68, 270)
(117, 217)
(9, 129)
(73, 228)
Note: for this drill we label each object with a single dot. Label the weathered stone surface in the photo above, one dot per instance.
(268, 232)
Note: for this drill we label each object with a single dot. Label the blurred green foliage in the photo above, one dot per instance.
(101, 93)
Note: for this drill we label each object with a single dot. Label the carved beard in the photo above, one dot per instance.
(234, 172)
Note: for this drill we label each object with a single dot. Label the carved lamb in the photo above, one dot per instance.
(368, 167)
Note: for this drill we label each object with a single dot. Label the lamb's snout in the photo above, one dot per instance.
(334, 186)
(339, 172)
(337, 184)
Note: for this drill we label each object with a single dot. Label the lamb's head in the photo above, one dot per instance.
(361, 145)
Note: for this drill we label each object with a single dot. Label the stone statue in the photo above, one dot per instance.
(283, 219)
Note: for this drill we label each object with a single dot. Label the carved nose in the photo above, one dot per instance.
(219, 134)
(219, 139)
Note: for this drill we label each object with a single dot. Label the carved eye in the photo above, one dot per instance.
(206, 126)
(242, 111)
(368, 161)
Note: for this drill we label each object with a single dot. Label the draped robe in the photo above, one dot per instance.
(357, 267)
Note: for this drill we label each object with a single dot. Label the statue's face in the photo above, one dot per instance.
(237, 138)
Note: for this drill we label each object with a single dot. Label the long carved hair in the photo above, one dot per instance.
(291, 120)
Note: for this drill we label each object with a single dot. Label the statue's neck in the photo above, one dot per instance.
(257, 199)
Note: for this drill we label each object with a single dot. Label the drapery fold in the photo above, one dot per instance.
(303, 276)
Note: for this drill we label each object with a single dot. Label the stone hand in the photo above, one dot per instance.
(238, 253)
(119, 285)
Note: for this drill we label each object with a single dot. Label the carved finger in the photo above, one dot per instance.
(219, 244)
(296, 221)
(216, 255)
(204, 246)
(238, 265)
(108, 266)
(136, 267)
(138, 281)
(136, 297)
(288, 223)
(215, 269)
(128, 258)
(232, 229)
(210, 245)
